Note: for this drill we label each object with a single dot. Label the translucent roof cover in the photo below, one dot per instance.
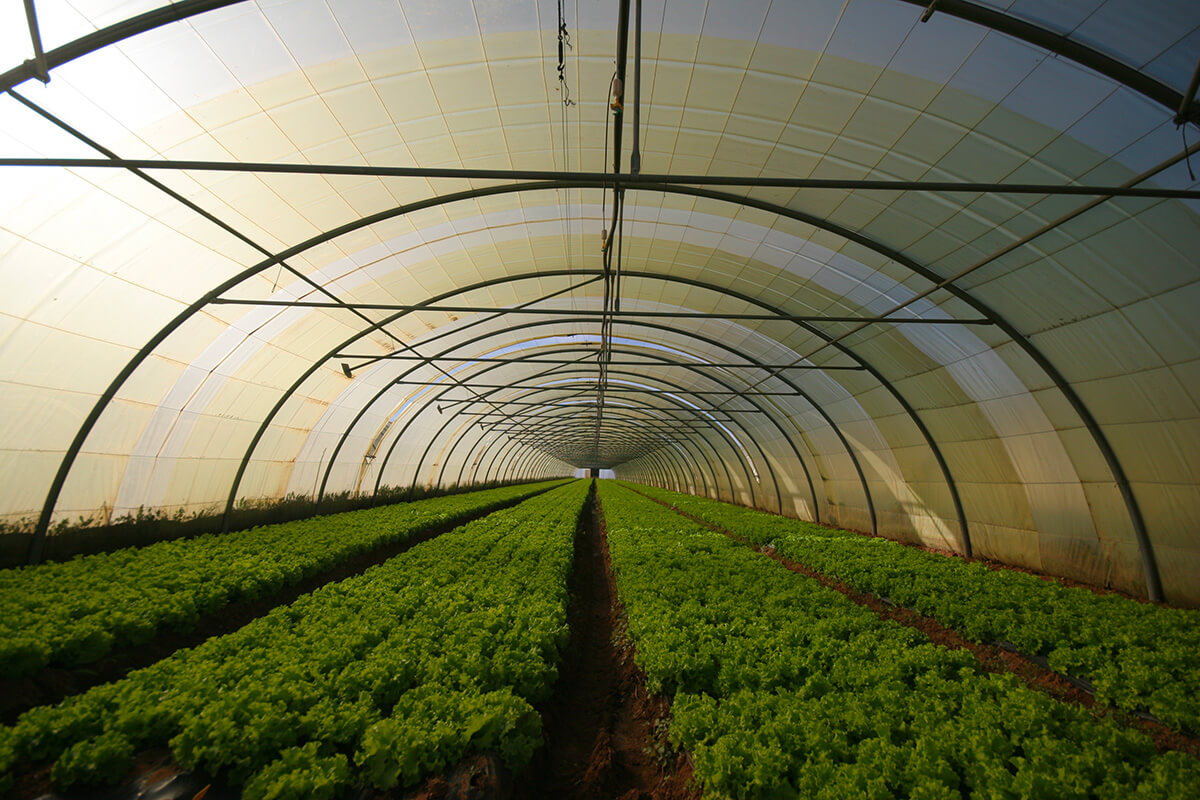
(238, 261)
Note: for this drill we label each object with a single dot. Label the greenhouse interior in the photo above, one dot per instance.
(805, 395)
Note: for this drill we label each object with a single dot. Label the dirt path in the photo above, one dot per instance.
(600, 725)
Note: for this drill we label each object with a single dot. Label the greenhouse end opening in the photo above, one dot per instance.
(684, 400)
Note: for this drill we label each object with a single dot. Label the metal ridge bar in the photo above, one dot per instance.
(997, 20)
(625, 179)
(688, 364)
(172, 12)
(583, 312)
(580, 406)
(580, 384)
(1064, 46)
(41, 69)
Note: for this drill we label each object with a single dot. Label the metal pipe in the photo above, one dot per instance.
(635, 157)
(606, 179)
(621, 389)
(41, 70)
(682, 407)
(414, 355)
(664, 363)
(583, 312)
(1186, 113)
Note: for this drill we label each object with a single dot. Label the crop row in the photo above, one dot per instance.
(1139, 657)
(76, 612)
(399, 671)
(784, 688)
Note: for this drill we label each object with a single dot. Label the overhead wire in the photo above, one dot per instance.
(564, 89)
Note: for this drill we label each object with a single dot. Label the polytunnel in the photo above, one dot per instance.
(922, 270)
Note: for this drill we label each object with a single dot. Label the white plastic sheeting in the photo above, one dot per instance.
(95, 262)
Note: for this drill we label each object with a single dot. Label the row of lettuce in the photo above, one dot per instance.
(784, 688)
(1139, 657)
(398, 672)
(76, 612)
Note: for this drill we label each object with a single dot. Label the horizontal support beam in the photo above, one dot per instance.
(1081, 52)
(620, 180)
(687, 364)
(171, 12)
(592, 404)
(578, 386)
(41, 70)
(620, 414)
(607, 440)
(571, 406)
(598, 314)
(626, 425)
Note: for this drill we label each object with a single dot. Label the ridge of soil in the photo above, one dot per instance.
(605, 734)
(992, 657)
(51, 685)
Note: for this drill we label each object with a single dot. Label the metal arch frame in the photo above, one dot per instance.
(425, 362)
(403, 429)
(510, 446)
(867, 497)
(483, 436)
(707, 461)
(693, 282)
(531, 465)
(525, 326)
(535, 468)
(745, 469)
(142, 354)
(461, 478)
(668, 467)
(102, 402)
(562, 349)
(643, 473)
(681, 480)
(1008, 24)
(647, 469)
(530, 392)
(1033, 352)
(1154, 587)
(441, 430)
(666, 444)
(527, 464)
(1062, 45)
(623, 411)
(543, 350)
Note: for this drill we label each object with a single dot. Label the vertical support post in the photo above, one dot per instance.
(40, 70)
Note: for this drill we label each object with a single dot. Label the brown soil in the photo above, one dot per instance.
(479, 776)
(154, 776)
(604, 732)
(993, 658)
(52, 684)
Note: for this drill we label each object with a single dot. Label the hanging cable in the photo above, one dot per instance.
(564, 44)
(604, 188)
